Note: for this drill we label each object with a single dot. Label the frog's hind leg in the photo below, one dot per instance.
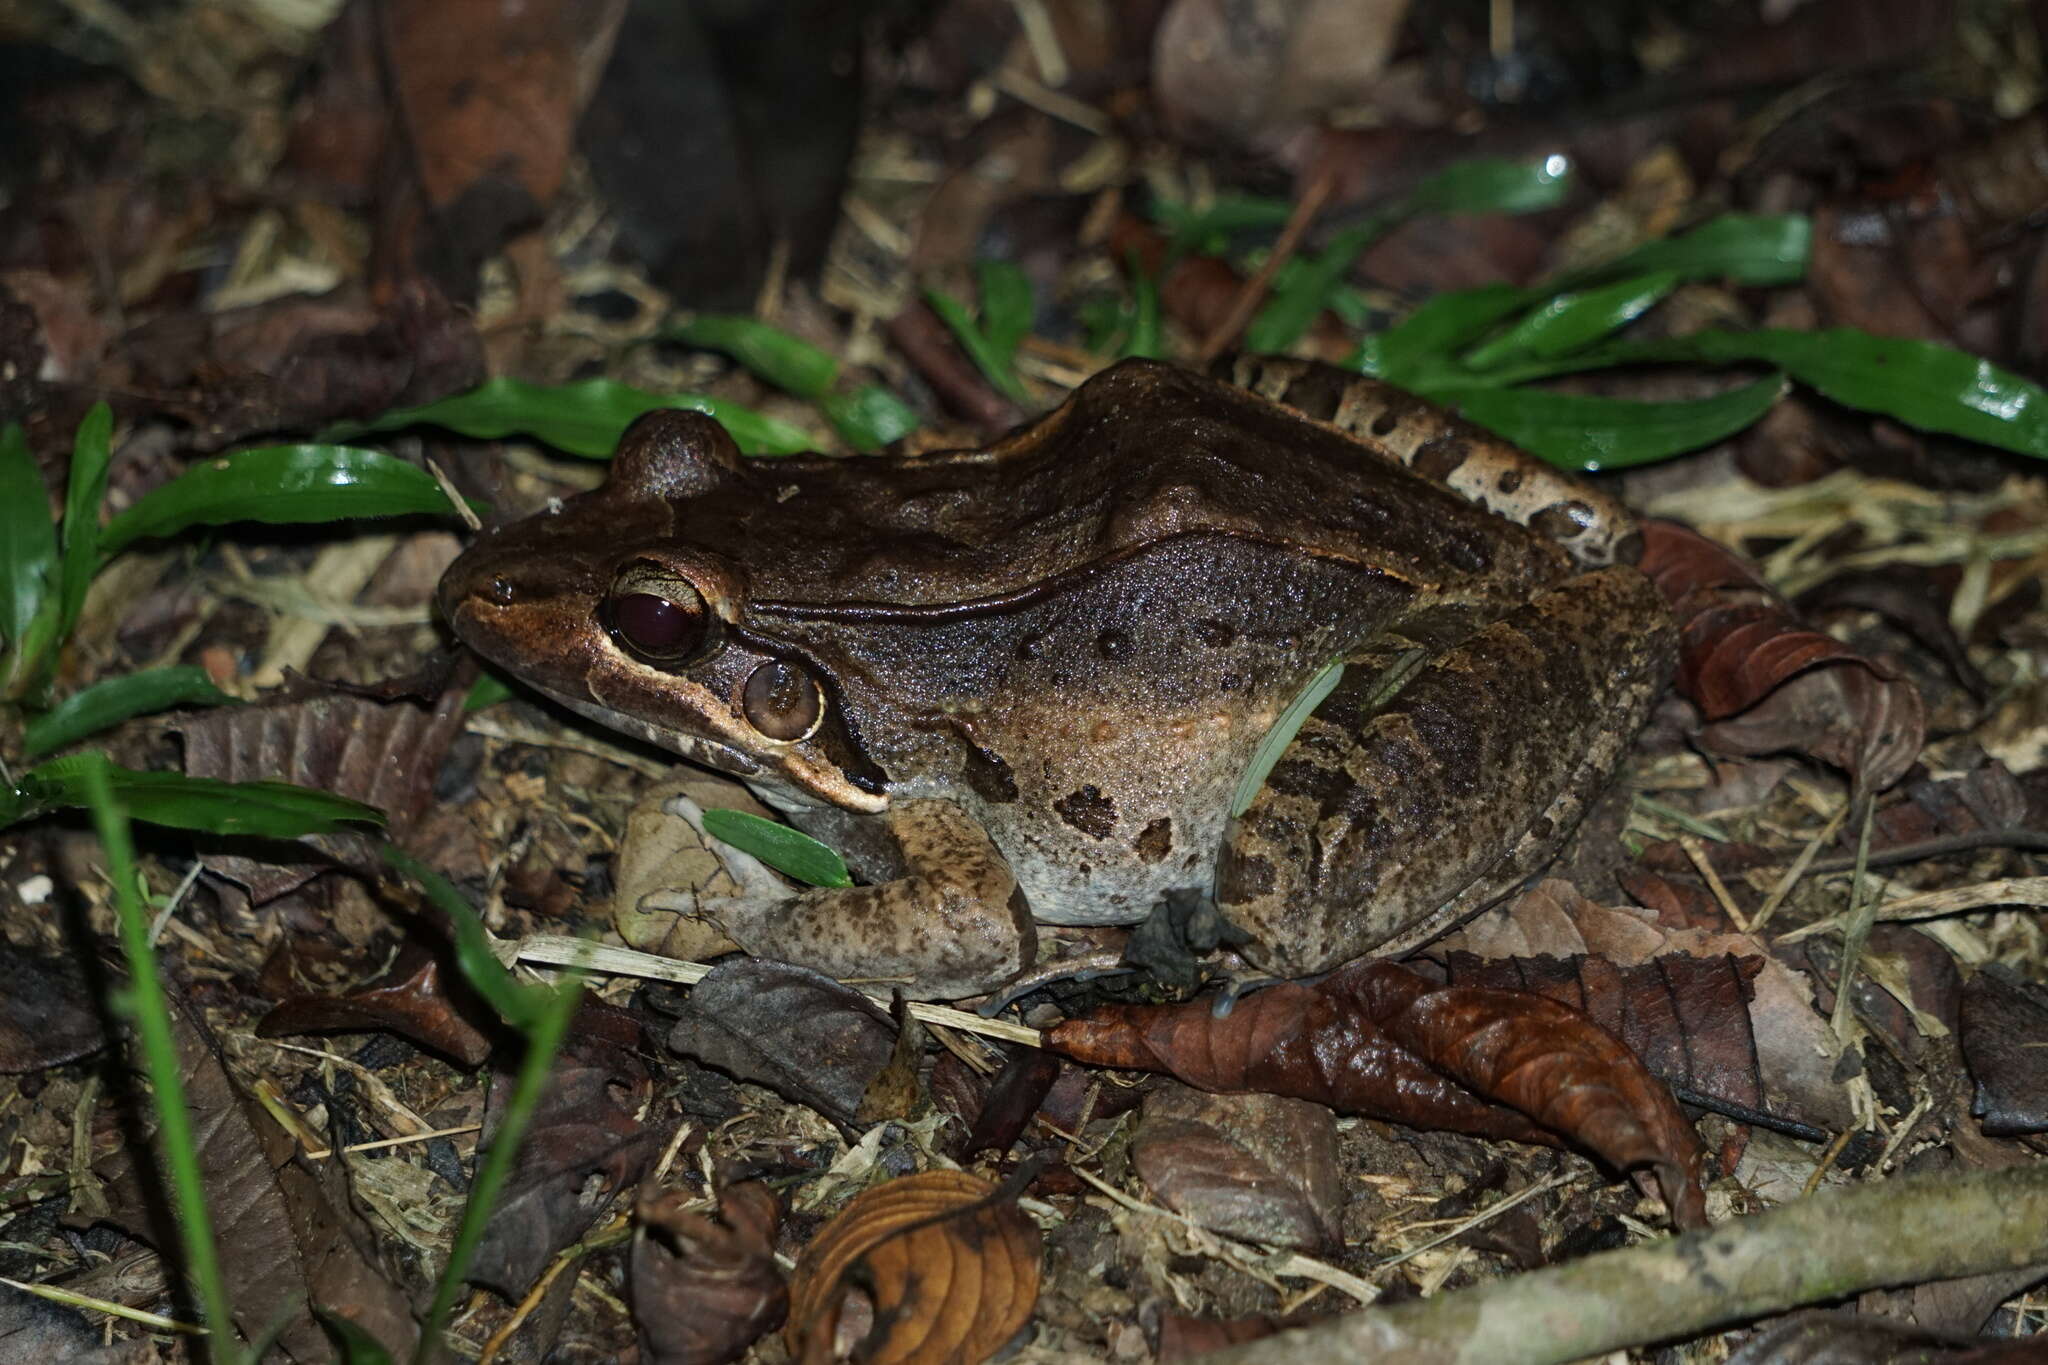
(1388, 819)
(1591, 524)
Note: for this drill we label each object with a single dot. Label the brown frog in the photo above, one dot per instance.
(1026, 681)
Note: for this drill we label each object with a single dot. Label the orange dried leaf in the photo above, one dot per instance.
(949, 1265)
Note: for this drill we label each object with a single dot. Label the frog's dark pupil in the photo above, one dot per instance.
(782, 701)
(656, 624)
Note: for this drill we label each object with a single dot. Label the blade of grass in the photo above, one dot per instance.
(1747, 248)
(585, 418)
(271, 810)
(356, 1345)
(1006, 306)
(1580, 431)
(788, 851)
(1493, 185)
(993, 363)
(1284, 729)
(28, 540)
(514, 1003)
(550, 1024)
(115, 700)
(488, 690)
(143, 1002)
(92, 452)
(280, 485)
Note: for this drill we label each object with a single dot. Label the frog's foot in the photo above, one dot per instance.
(953, 925)
(1389, 819)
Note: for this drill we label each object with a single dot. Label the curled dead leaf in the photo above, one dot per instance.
(948, 1264)
(705, 1288)
(1378, 1039)
(1763, 681)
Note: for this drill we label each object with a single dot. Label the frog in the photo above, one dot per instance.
(1024, 683)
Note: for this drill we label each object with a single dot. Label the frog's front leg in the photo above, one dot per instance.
(951, 925)
(1387, 820)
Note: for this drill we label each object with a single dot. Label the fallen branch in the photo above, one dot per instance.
(1829, 1247)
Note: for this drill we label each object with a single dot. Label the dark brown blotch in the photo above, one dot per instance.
(1113, 643)
(1441, 456)
(1510, 480)
(1244, 879)
(1089, 811)
(1155, 841)
(1216, 634)
(1562, 520)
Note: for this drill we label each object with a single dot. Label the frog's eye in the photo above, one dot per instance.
(783, 701)
(658, 616)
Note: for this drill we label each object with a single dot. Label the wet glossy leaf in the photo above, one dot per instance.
(789, 851)
(1759, 249)
(1438, 327)
(1565, 322)
(1581, 431)
(1208, 229)
(993, 360)
(585, 418)
(788, 362)
(275, 810)
(1006, 305)
(488, 690)
(868, 418)
(950, 1267)
(110, 702)
(91, 454)
(1491, 185)
(28, 539)
(280, 485)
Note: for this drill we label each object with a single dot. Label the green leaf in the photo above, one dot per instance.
(1757, 249)
(273, 810)
(1492, 185)
(92, 451)
(789, 851)
(789, 363)
(1209, 228)
(1438, 327)
(584, 419)
(280, 485)
(1282, 734)
(1304, 290)
(517, 1005)
(1921, 383)
(488, 690)
(28, 540)
(1146, 337)
(868, 418)
(1006, 306)
(990, 359)
(1578, 431)
(115, 700)
(98, 786)
(354, 1341)
(1567, 322)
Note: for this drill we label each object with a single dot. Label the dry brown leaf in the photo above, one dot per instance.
(948, 1264)
(705, 1289)
(1763, 681)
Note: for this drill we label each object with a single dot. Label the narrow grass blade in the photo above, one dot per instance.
(1006, 306)
(517, 1005)
(543, 1040)
(1493, 185)
(1282, 734)
(585, 418)
(789, 851)
(92, 452)
(1747, 248)
(1209, 229)
(993, 362)
(789, 363)
(357, 1346)
(1306, 290)
(28, 539)
(150, 1014)
(280, 485)
(110, 702)
(1579, 431)
(488, 690)
(1440, 326)
(272, 810)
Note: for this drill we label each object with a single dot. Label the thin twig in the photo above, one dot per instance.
(1253, 292)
